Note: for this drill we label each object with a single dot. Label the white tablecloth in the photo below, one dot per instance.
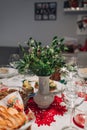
(60, 122)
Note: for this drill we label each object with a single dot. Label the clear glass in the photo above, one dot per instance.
(70, 59)
(13, 59)
(72, 100)
(80, 116)
(72, 68)
(69, 95)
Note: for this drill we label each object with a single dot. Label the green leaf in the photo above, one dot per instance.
(42, 60)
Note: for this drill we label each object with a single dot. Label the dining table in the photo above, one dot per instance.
(59, 122)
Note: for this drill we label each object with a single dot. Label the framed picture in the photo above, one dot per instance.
(45, 10)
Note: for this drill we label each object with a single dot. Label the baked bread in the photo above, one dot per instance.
(11, 119)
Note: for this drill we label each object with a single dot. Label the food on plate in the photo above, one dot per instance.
(11, 119)
(14, 101)
(12, 114)
(3, 70)
(3, 93)
(5, 90)
(27, 86)
(52, 85)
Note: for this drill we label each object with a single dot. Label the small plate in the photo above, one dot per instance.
(9, 72)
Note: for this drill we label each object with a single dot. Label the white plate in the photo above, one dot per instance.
(10, 72)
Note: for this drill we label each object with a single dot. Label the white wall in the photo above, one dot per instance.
(17, 23)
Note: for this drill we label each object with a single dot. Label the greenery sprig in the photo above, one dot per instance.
(42, 60)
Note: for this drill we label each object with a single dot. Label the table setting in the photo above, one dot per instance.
(58, 118)
(57, 103)
(53, 104)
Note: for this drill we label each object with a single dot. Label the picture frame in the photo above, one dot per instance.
(45, 10)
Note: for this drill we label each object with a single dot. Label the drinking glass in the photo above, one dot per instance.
(80, 116)
(72, 100)
(69, 96)
(70, 59)
(71, 64)
(13, 59)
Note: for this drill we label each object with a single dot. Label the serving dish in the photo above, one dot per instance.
(13, 105)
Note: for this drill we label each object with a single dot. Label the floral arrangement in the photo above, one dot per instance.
(42, 60)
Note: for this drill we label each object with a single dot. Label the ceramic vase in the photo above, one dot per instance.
(43, 98)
